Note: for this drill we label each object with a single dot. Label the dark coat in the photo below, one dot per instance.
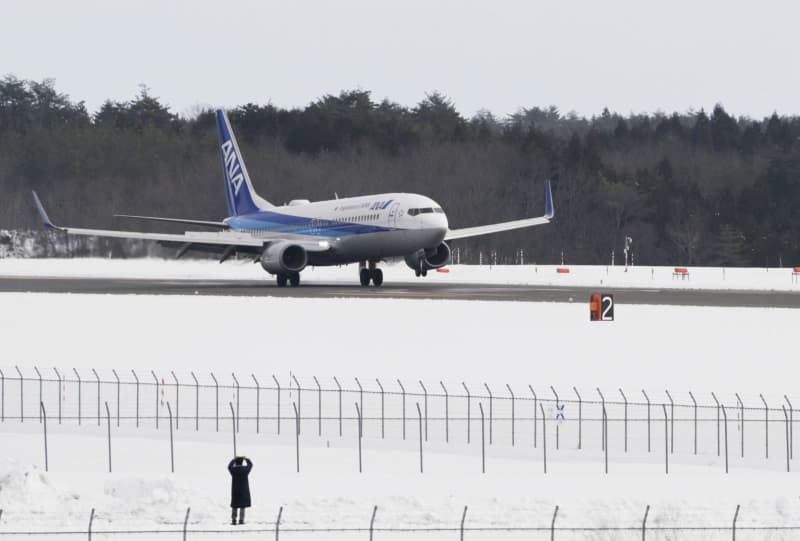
(240, 487)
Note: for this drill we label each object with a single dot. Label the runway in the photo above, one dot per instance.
(408, 290)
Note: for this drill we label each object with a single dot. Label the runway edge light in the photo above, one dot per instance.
(601, 307)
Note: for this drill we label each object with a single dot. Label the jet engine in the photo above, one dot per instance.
(284, 258)
(430, 258)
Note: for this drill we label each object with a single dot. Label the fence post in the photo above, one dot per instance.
(791, 427)
(463, 518)
(21, 395)
(644, 523)
(278, 387)
(171, 441)
(741, 432)
(403, 391)
(91, 520)
(580, 416)
(694, 409)
(233, 428)
(666, 438)
(216, 401)
(360, 395)
(278, 523)
(558, 403)
(372, 521)
(78, 377)
(553, 525)
(671, 423)
(177, 401)
(59, 379)
(113, 371)
(766, 426)
(718, 427)
(491, 413)
(156, 380)
(735, 516)
(97, 378)
(383, 409)
(786, 417)
(39, 375)
(43, 413)
(186, 522)
(135, 377)
(319, 407)
(544, 438)
(446, 413)
(647, 398)
(3, 396)
(603, 406)
(196, 402)
(258, 404)
(340, 405)
(483, 440)
(469, 410)
(425, 397)
(236, 383)
(419, 415)
(605, 436)
(297, 434)
(726, 437)
(512, 413)
(625, 401)
(360, 434)
(535, 412)
(108, 426)
(298, 417)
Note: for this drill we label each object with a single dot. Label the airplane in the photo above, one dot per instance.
(286, 239)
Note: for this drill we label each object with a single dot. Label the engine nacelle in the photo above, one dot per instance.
(283, 258)
(431, 258)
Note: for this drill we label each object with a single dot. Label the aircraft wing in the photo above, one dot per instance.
(549, 213)
(222, 239)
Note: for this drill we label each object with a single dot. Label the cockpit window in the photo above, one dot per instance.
(425, 210)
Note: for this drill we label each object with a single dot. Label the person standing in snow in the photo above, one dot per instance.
(239, 469)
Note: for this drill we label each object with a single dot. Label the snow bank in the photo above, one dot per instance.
(619, 277)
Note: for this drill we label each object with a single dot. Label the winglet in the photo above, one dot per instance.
(42, 213)
(549, 211)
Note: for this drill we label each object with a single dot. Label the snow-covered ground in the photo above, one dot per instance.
(725, 350)
(662, 277)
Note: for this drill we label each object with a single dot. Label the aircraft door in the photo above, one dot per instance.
(394, 212)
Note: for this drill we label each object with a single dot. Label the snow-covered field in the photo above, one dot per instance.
(724, 350)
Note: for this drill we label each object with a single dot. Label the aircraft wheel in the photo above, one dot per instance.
(294, 279)
(364, 276)
(377, 277)
(281, 279)
(424, 272)
(416, 272)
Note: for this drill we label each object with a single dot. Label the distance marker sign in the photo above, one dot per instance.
(601, 307)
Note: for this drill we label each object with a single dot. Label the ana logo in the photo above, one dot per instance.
(232, 168)
(380, 205)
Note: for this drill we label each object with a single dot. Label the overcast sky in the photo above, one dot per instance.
(629, 56)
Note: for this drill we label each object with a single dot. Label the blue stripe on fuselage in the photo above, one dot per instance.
(276, 222)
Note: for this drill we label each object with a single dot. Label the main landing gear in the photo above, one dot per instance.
(293, 278)
(371, 273)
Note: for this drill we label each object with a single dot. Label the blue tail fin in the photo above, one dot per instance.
(239, 192)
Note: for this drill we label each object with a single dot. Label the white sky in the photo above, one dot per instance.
(582, 55)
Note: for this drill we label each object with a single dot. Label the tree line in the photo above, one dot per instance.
(693, 188)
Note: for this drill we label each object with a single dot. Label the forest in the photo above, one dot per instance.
(689, 188)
